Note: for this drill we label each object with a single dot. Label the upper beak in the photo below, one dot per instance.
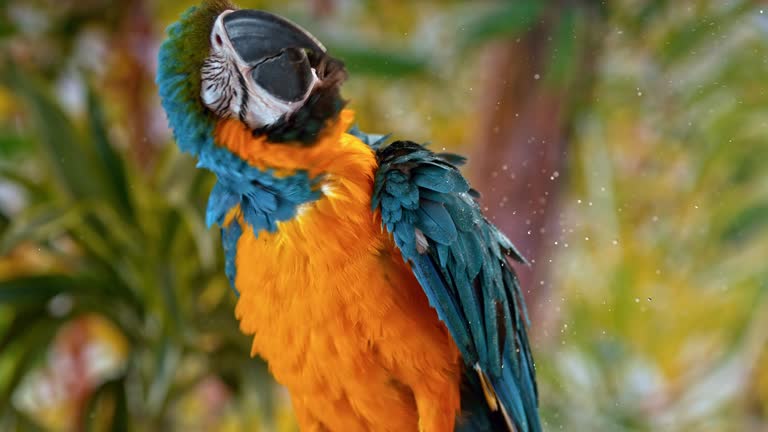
(275, 49)
(258, 35)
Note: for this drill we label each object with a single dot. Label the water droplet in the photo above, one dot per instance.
(537, 76)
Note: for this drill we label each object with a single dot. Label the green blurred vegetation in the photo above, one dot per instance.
(114, 310)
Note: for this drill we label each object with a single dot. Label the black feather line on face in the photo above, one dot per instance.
(324, 104)
(243, 97)
(217, 75)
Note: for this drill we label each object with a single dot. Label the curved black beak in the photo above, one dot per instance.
(258, 35)
(276, 49)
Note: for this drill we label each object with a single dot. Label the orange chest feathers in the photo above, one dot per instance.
(338, 315)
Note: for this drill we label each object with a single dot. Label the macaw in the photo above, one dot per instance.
(367, 275)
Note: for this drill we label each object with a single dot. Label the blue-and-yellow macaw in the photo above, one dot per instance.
(366, 273)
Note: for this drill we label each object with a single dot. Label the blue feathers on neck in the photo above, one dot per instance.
(264, 198)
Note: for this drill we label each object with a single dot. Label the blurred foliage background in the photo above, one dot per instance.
(622, 145)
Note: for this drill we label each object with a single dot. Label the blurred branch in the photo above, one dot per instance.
(525, 120)
(322, 8)
(132, 78)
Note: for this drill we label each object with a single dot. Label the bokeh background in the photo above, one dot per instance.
(623, 145)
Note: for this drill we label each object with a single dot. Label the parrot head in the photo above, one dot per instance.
(253, 66)
(262, 69)
(256, 99)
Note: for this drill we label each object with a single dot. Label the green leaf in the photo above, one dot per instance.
(167, 279)
(201, 235)
(648, 12)
(22, 319)
(378, 61)
(7, 27)
(120, 417)
(121, 233)
(26, 352)
(39, 223)
(56, 135)
(97, 245)
(166, 364)
(171, 222)
(11, 174)
(563, 58)
(39, 289)
(506, 19)
(22, 421)
(259, 377)
(12, 144)
(690, 37)
(746, 223)
(114, 392)
(4, 221)
(110, 161)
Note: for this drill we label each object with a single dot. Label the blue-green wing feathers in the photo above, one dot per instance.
(460, 260)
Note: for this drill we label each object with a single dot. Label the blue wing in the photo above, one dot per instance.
(460, 260)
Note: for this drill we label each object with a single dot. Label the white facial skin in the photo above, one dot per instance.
(228, 90)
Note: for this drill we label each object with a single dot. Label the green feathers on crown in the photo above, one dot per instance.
(178, 76)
